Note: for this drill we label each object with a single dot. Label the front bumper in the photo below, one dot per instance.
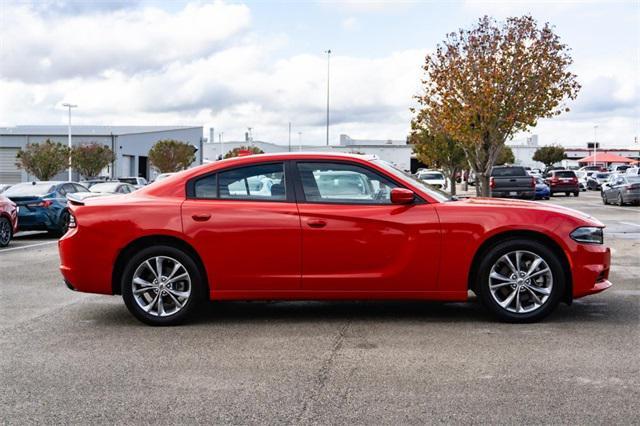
(591, 264)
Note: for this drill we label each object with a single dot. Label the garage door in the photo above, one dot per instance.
(9, 172)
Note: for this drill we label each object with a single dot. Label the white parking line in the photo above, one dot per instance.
(29, 246)
(630, 223)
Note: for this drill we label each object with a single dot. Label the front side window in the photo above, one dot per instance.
(343, 183)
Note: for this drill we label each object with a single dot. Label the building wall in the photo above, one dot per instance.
(133, 145)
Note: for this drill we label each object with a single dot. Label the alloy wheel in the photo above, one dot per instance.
(161, 286)
(5, 232)
(520, 282)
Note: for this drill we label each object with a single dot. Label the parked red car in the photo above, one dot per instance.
(326, 226)
(8, 220)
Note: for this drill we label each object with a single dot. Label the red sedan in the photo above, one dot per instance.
(8, 220)
(326, 226)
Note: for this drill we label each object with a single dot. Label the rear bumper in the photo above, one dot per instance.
(513, 193)
(631, 197)
(564, 188)
(84, 264)
(36, 220)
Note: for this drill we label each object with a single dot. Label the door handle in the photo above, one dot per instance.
(202, 217)
(316, 223)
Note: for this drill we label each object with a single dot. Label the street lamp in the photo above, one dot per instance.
(299, 141)
(328, 52)
(595, 143)
(69, 106)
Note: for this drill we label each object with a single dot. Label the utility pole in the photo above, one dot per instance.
(328, 52)
(69, 106)
(595, 143)
(299, 141)
(220, 135)
(289, 136)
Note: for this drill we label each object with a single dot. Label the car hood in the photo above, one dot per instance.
(501, 203)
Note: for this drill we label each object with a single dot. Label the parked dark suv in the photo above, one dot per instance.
(563, 181)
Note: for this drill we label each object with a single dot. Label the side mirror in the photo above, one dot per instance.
(402, 196)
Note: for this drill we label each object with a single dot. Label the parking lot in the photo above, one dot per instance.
(77, 358)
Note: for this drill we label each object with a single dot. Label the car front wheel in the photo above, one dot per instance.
(520, 281)
(161, 286)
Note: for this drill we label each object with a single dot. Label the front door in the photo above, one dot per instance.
(355, 239)
(245, 225)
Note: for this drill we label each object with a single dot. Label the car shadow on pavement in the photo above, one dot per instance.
(296, 312)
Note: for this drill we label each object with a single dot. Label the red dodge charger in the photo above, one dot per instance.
(326, 226)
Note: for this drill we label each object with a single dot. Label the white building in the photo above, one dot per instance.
(396, 152)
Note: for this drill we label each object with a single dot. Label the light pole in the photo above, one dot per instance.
(69, 106)
(289, 136)
(299, 141)
(220, 135)
(595, 143)
(328, 52)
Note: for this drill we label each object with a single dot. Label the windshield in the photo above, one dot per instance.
(438, 195)
(132, 181)
(105, 187)
(602, 175)
(565, 174)
(29, 189)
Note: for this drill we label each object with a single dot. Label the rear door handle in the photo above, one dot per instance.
(316, 223)
(202, 217)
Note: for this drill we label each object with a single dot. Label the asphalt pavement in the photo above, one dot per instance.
(76, 358)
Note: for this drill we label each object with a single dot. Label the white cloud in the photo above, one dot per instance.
(129, 40)
(350, 24)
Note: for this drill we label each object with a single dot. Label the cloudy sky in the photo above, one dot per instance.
(233, 65)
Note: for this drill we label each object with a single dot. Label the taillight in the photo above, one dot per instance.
(533, 182)
(492, 182)
(43, 203)
(72, 220)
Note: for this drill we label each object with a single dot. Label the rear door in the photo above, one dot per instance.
(244, 223)
(354, 239)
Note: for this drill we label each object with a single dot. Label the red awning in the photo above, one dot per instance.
(603, 157)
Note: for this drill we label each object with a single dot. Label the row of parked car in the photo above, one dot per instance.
(621, 187)
(42, 206)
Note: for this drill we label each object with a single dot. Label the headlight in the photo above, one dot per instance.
(588, 234)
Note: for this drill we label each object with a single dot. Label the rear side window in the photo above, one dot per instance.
(565, 174)
(264, 182)
(508, 171)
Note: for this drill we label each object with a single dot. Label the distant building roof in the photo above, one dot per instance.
(604, 157)
(87, 130)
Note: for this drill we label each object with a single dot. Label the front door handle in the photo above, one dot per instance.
(316, 223)
(202, 217)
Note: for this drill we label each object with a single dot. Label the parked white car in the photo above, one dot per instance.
(583, 175)
(633, 171)
(433, 177)
(138, 182)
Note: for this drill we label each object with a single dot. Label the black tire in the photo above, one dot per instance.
(576, 194)
(6, 231)
(620, 200)
(508, 246)
(604, 199)
(63, 225)
(566, 194)
(190, 305)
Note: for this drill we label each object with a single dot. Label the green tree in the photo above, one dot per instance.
(438, 150)
(485, 84)
(237, 151)
(506, 156)
(549, 155)
(43, 160)
(171, 156)
(90, 158)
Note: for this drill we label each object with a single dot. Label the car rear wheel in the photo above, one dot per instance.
(576, 194)
(161, 286)
(620, 200)
(520, 281)
(6, 232)
(63, 225)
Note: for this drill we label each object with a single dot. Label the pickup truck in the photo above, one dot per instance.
(512, 182)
